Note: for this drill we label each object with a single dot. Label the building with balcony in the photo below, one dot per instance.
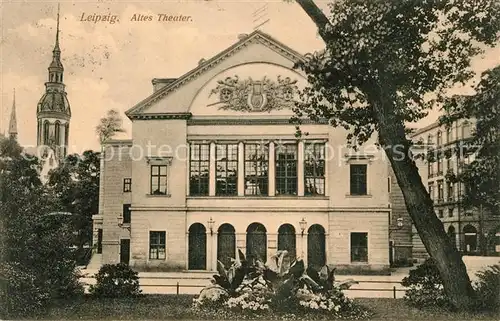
(214, 165)
(447, 156)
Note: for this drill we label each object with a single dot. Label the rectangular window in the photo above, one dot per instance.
(440, 213)
(439, 138)
(358, 179)
(448, 135)
(430, 168)
(359, 247)
(158, 179)
(127, 184)
(440, 191)
(256, 169)
(440, 166)
(126, 213)
(431, 191)
(314, 169)
(449, 166)
(157, 245)
(226, 164)
(286, 169)
(450, 191)
(450, 212)
(199, 162)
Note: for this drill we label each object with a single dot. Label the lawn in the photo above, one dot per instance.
(172, 307)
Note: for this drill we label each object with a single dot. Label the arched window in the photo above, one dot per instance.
(452, 235)
(286, 239)
(46, 128)
(256, 242)
(226, 244)
(57, 132)
(316, 250)
(197, 247)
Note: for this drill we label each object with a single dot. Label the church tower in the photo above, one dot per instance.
(13, 119)
(53, 111)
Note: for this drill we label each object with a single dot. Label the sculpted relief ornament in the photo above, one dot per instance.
(255, 95)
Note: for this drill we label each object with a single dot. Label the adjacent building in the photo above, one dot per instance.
(214, 165)
(446, 148)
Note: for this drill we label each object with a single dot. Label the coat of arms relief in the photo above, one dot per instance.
(255, 95)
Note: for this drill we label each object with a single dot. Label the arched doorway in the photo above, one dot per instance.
(287, 240)
(226, 244)
(452, 235)
(197, 247)
(256, 242)
(316, 255)
(470, 238)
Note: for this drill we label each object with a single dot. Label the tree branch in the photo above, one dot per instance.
(316, 15)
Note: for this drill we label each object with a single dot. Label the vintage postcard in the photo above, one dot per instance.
(285, 159)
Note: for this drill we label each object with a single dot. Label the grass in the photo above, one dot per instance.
(172, 307)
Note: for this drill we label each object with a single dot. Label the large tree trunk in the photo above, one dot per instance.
(419, 205)
(421, 210)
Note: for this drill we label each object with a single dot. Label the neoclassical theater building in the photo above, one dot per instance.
(214, 165)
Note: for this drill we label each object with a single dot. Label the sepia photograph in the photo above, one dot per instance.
(250, 160)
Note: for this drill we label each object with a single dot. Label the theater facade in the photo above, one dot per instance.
(214, 165)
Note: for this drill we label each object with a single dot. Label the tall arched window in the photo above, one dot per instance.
(256, 242)
(197, 240)
(57, 132)
(316, 247)
(46, 128)
(286, 239)
(226, 244)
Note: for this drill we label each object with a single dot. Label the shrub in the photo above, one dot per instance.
(425, 286)
(287, 288)
(20, 295)
(488, 288)
(116, 280)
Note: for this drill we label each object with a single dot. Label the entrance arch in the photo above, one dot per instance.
(226, 244)
(256, 242)
(470, 238)
(452, 235)
(287, 240)
(316, 253)
(197, 247)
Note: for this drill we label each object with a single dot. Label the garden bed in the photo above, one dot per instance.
(175, 307)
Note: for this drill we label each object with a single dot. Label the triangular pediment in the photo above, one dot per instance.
(176, 97)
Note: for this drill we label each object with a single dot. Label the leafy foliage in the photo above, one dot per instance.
(37, 262)
(252, 287)
(386, 64)
(481, 175)
(109, 126)
(425, 286)
(488, 288)
(116, 281)
(76, 184)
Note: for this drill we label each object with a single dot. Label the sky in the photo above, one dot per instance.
(110, 65)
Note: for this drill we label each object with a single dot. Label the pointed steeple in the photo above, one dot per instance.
(13, 119)
(56, 68)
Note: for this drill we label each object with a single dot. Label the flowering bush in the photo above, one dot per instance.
(255, 288)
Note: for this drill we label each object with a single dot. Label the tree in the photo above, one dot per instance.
(36, 263)
(480, 177)
(76, 184)
(109, 126)
(386, 63)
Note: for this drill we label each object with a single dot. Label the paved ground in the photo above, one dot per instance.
(370, 286)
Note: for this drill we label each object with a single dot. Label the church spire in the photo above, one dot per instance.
(56, 47)
(56, 68)
(13, 119)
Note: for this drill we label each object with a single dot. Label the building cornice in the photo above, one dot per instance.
(250, 121)
(268, 209)
(182, 116)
